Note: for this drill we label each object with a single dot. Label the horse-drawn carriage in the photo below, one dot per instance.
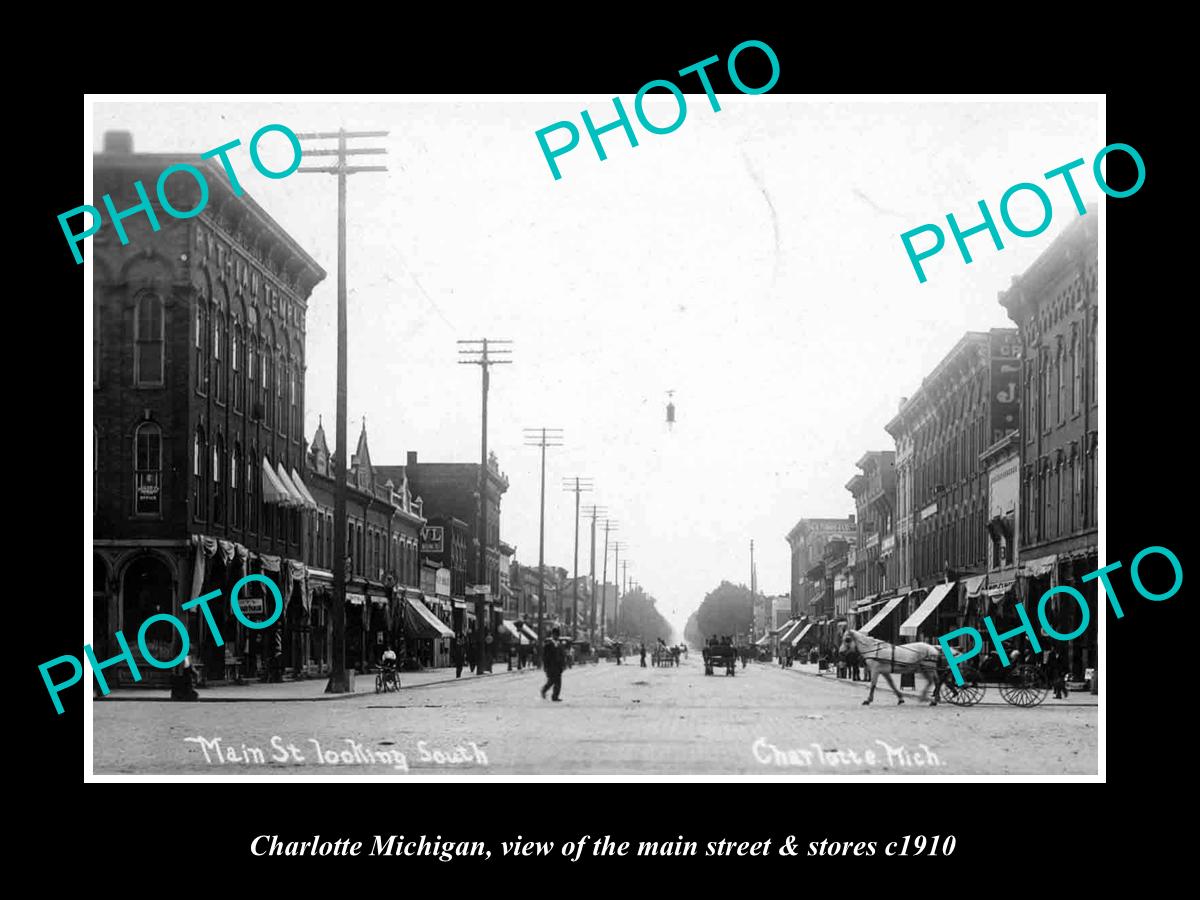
(1021, 684)
(717, 655)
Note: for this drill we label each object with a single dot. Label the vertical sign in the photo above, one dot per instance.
(1005, 382)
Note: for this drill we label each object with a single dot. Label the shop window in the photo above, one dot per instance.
(147, 468)
(148, 340)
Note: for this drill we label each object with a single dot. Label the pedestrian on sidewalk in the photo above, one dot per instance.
(456, 654)
(643, 652)
(1056, 671)
(552, 662)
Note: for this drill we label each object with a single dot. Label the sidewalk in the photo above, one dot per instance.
(309, 689)
(882, 691)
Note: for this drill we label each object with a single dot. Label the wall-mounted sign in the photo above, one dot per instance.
(432, 540)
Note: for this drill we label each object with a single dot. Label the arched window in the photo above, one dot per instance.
(252, 358)
(218, 483)
(237, 352)
(147, 468)
(1061, 385)
(148, 341)
(280, 379)
(285, 384)
(218, 341)
(1044, 419)
(199, 457)
(294, 398)
(267, 365)
(328, 541)
(201, 352)
(1076, 374)
(268, 513)
(253, 488)
(236, 486)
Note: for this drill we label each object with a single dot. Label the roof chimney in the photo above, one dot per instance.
(903, 400)
(118, 142)
(412, 457)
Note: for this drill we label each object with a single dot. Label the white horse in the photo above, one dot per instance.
(884, 659)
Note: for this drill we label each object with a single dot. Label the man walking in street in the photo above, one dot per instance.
(552, 662)
(643, 650)
(457, 655)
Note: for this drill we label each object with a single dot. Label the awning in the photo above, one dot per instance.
(527, 631)
(355, 599)
(908, 628)
(1043, 565)
(763, 641)
(788, 630)
(882, 614)
(303, 488)
(298, 500)
(801, 633)
(510, 629)
(867, 603)
(428, 625)
(272, 488)
(975, 585)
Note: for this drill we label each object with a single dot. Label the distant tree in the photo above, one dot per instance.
(640, 619)
(727, 610)
(691, 632)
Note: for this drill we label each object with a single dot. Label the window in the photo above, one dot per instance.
(268, 407)
(1076, 375)
(236, 486)
(1044, 412)
(1060, 386)
(218, 339)
(251, 359)
(292, 398)
(147, 468)
(237, 351)
(280, 379)
(199, 494)
(201, 336)
(218, 494)
(1091, 364)
(268, 517)
(148, 341)
(253, 488)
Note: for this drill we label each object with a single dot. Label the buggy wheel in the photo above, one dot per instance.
(968, 693)
(1026, 687)
(380, 685)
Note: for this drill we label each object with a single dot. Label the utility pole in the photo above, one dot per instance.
(339, 681)
(593, 511)
(542, 437)
(580, 484)
(480, 353)
(625, 575)
(609, 525)
(617, 547)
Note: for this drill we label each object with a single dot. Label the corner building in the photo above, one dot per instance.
(198, 399)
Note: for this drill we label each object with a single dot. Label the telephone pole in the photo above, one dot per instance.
(593, 511)
(542, 437)
(609, 525)
(339, 681)
(576, 485)
(480, 353)
(617, 548)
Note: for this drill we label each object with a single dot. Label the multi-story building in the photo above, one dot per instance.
(1002, 462)
(874, 490)
(1054, 304)
(806, 542)
(967, 402)
(383, 564)
(198, 399)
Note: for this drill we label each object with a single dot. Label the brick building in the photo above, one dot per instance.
(198, 397)
(874, 491)
(807, 541)
(968, 402)
(1054, 305)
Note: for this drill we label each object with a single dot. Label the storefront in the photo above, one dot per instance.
(427, 637)
(936, 614)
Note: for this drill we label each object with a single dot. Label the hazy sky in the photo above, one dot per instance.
(750, 261)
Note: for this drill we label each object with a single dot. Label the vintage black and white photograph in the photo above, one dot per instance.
(532, 436)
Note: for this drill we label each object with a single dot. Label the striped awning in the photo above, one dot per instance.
(273, 490)
(908, 627)
(429, 625)
(801, 633)
(883, 613)
(298, 501)
(311, 503)
(788, 630)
